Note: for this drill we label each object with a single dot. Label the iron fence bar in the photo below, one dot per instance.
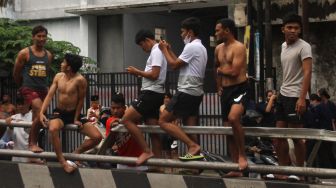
(303, 171)
(315, 134)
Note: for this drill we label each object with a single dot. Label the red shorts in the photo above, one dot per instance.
(30, 94)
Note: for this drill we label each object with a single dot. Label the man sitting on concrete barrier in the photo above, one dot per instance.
(71, 88)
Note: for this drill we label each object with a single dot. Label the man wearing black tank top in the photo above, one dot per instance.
(30, 73)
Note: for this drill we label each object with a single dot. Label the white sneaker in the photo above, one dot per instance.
(174, 144)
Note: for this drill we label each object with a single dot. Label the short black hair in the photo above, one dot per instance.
(193, 24)
(20, 100)
(228, 24)
(315, 97)
(142, 35)
(324, 92)
(292, 18)
(169, 95)
(118, 98)
(74, 61)
(38, 29)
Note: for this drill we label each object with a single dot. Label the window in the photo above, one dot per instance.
(160, 33)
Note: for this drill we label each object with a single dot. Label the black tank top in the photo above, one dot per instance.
(35, 71)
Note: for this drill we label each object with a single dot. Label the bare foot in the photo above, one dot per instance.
(35, 149)
(242, 163)
(144, 157)
(69, 168)
(194, 149)
(233, 174)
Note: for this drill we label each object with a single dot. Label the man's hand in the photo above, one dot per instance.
(300, 107)
(44, 120)
(115, 123)
(10, 145)
(80, 124)
(164, 45)
(9, 121)
(219, 91)
(132, 70)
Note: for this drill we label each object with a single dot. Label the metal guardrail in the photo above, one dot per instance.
(304, 171)
(315, 134)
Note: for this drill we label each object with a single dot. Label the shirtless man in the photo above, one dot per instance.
(31, 73)
(71, 88)
(232, 86)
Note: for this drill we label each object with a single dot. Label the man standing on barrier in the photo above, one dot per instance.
(31, 73)
(296, 62)
(233, 88)
(186, 101)
(148, 103)
(71, 88)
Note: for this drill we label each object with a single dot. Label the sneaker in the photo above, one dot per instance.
(293, 178)
(174, 144)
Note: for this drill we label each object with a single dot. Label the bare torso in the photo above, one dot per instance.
(232, 57)
(68, 91)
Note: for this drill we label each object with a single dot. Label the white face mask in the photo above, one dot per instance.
(186, 39)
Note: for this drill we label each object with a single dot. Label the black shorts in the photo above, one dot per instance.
(66, 116)
(235, 94)
(148, 104)
(184, 105)
(285, 110)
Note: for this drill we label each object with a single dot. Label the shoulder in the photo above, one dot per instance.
(24, 52)
(219, 46)
(81, 79)
(49, 54)
(58, 76)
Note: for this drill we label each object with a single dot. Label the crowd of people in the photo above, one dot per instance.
(285, 109)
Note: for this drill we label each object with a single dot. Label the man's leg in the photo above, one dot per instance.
(165, 123)
(94, 138)
(237, 141)
(192, 121)
(155, 139)
(299, 147)
(36, 125)
(281, 146)
(131, 116)
(55, 125)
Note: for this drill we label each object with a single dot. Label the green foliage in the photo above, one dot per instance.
(14, 37)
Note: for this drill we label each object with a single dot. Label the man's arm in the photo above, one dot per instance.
(18, 66)
(218, 78)
(46, 102)
(238, 63)
(152, 75)
(307, 71)
(82, 84)
(174, 62)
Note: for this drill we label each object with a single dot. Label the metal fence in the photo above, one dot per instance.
(106, 84)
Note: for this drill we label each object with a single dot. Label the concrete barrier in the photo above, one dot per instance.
(18, 175)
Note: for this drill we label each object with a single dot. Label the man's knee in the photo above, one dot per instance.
(233, 120)
(53, 128)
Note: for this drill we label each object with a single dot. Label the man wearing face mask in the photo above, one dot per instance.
(185, 103)
(232, 87)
